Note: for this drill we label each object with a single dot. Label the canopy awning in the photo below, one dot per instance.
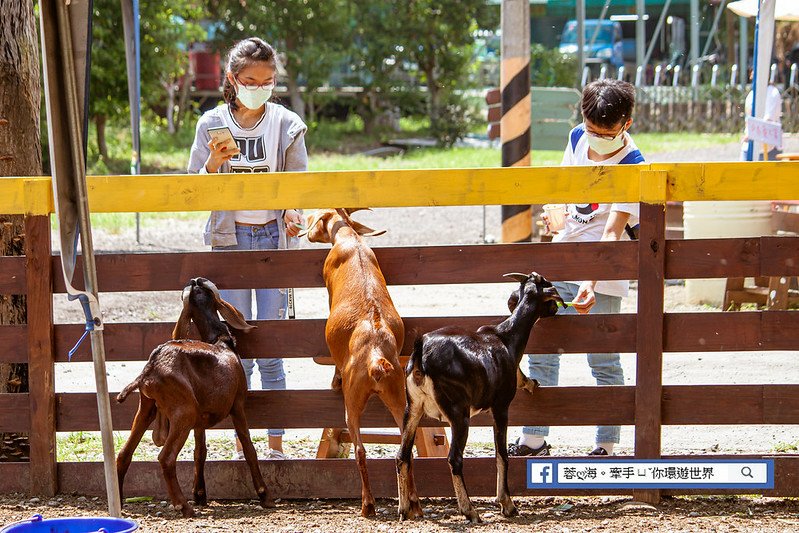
(786, 10)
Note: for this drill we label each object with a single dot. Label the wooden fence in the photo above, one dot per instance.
(649, 333)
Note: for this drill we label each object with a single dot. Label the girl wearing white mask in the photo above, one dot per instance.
(602, 139)
(269, 138)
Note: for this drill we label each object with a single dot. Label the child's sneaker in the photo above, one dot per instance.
(521, 450)
(274, 454)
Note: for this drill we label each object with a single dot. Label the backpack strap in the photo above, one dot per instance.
(633, 158)
(575, 135)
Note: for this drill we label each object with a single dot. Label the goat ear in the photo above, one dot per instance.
(232, 316)
(521, 278)
(359, 228)
(551, 293)
(312, 221)
(181, 330)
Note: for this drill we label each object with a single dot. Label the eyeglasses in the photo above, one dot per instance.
(253, 87)
(606, 137)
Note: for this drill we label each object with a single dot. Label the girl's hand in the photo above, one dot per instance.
(219, 154)
(294, 222)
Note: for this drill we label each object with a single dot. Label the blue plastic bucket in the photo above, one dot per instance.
(80, 524)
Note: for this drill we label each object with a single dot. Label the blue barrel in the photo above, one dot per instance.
(80, 524)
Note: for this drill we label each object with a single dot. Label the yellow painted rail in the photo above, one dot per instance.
(653, 183)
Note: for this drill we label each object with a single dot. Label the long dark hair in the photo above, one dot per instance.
(243, 54)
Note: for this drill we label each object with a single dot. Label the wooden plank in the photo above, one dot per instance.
(781, 404)
(767, 181)
(714, 332)
(339, 478)
(555, 406)
(305, 338)
(422, 187)
(12, 275)
(649, 363)
(41, 365)
(779, 329)
(15, 477)
(493, 97)
(412, 265)
(713, 404)
(19, 196)
(683, 332)
(14, 342)
(779, 256)
(325, 408)
(362, 188)
(15, 413)
(713, 258)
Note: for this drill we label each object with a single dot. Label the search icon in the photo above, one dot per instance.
(746, 471)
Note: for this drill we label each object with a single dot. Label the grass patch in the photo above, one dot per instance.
(334, 145)
(786, 447)
(650, 143)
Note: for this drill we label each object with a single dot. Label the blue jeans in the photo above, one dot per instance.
(605, 367)
(270, 304)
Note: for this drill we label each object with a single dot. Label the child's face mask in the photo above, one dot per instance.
(604, 145)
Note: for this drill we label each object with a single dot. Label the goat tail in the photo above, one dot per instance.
(127, 390)
(379, 367)
(414, 367)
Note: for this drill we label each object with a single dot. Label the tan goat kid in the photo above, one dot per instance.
(364, 332)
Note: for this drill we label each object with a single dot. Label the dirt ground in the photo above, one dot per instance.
(722, 514)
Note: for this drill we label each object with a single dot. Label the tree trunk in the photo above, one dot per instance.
(170, 107)
(20, 155)
(102, 147)
(295, 96)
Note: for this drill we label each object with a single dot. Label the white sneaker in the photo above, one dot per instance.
(274, 454)
(238, 455)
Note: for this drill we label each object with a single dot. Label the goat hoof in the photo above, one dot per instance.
(509, 512)
(268, 503)
(416, 510)
(200, 499)
(473, 518)
(187, 511)
(368, 509)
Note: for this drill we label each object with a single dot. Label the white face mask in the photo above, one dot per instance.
(253, 97)
(604, 146)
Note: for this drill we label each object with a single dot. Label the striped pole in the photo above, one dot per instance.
(517, 220)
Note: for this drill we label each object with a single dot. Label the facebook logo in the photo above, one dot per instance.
(540, 473)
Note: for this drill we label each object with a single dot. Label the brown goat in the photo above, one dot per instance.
(364, 332)
(189, 384)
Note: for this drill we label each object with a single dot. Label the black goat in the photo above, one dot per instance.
(188, 384)
(454, 374)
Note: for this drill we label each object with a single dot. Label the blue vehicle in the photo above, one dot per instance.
(606, 46)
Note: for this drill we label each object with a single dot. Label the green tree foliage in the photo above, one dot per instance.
(312, 37)
(427, 42)
(167, 28)
(551, 68)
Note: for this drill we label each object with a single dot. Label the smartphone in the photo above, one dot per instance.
(222, 135)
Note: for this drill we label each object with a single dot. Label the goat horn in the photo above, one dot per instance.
(521, 278)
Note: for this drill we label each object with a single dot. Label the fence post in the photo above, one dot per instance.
(41, 360)
(649, 335)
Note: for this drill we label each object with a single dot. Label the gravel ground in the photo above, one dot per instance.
(717, 514)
